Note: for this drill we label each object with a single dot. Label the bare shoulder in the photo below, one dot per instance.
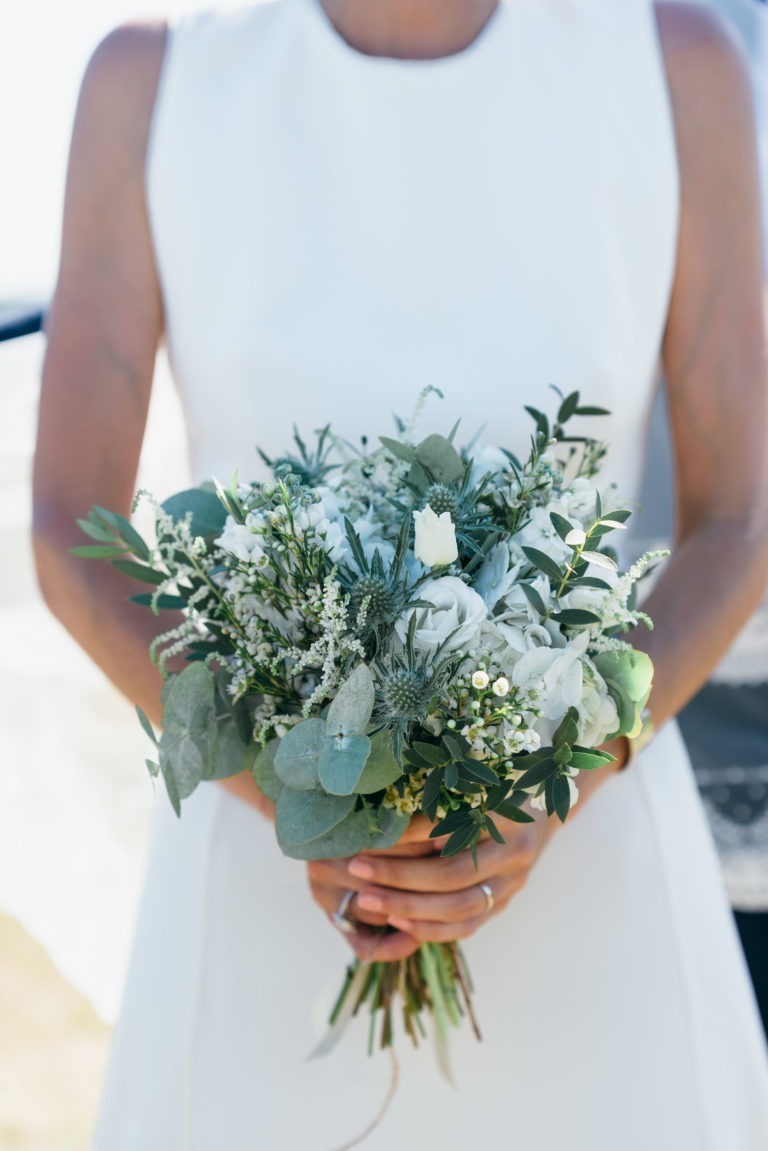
(120, 83)
(704, 62)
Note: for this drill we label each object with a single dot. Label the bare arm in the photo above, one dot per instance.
(104, 328)
(716, 366)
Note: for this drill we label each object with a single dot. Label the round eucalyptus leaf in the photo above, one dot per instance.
(302, 816)
(381, 768)
(182, 763)
(190, 700)
(298, 757)
(392, 825)
(342, 762)
(267, 779)
(350, 711)
(437, 455)
(208, 513)
(354, 834)
(231, 755)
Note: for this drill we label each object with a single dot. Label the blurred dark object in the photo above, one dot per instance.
(17, 320)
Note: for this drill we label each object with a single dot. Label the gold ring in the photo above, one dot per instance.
(489, 900)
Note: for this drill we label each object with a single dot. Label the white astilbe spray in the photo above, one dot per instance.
(335, 645)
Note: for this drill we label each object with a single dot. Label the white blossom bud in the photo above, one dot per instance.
(435, 542)
(480, 680)
(501, 687)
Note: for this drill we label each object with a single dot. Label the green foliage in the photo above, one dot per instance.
(629, 676)
(203, 505)
(264, 772)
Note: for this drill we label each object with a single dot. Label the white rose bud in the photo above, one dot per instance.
(480, 680)
(435, 543)
(501, 687)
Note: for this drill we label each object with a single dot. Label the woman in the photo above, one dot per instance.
(345, 202)
(725, 725)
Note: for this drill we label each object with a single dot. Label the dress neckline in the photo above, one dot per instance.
(473, 53)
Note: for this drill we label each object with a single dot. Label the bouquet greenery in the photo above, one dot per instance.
(411, 629)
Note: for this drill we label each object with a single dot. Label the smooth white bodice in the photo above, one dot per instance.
(335, 231)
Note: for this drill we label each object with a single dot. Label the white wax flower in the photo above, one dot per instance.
(435, 543)
(480, 680)
(501, 687)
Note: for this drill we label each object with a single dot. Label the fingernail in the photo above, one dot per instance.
(370, 902)
(362, 869)
(400, 924)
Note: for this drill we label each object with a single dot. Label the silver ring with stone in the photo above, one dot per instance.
(341, 917)
(489, 900)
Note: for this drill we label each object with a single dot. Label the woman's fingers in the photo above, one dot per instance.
(451, 908)
(436, 874)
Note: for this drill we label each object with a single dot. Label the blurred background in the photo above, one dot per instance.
(75, 800)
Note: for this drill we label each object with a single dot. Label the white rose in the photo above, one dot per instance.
(454, 618)
(435, 542)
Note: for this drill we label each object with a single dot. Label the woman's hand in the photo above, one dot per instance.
(426, 898)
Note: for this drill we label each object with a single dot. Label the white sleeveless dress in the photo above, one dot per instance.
(334, 232)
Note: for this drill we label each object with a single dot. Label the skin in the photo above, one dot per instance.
(106, 323)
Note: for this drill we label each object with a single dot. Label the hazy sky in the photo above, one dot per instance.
(43, 51)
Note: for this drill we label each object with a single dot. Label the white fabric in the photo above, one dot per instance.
(334, 232)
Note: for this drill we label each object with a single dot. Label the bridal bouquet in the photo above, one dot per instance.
(413, 629)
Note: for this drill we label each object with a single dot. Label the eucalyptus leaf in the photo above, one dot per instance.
(381, 769)
(208, 513)
(437, 455)
(342, 761)
(351, 709)
(303, 816)
(267, 779)
(297, 760)
(231, 755)
(146, 724)
(400, 451)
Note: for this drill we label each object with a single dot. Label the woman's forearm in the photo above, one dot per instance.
(711, 584)
(91, 600)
